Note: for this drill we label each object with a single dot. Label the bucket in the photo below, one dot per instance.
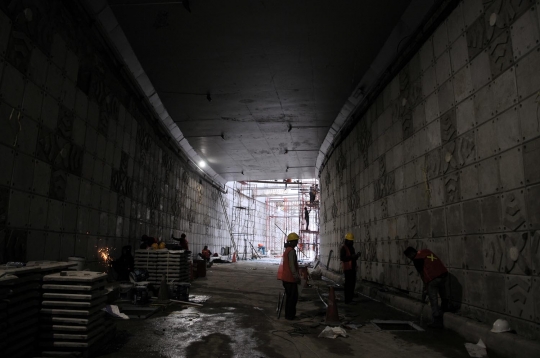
(81, 262)
(126, 290)
(201, 267)
(181, 291)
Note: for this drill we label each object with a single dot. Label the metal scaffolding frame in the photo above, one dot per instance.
(243, 219)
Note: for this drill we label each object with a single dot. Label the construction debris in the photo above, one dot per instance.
(476, 350)
(332, 332)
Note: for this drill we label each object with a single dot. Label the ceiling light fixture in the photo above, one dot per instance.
(222, 135)
(202, 164)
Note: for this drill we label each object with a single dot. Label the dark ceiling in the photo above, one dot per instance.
(277, 72)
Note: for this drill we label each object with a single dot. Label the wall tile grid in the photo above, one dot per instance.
(446, 159)
(82, 168)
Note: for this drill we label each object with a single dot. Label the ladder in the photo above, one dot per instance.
(227, 222)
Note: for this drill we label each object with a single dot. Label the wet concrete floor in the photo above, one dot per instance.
(239, 320)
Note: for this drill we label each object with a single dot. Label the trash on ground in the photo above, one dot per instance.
(352, 326)
(138, 312)
(258, 308)
(198, 298)
(114, 311)
(332, 332)
(476, 350)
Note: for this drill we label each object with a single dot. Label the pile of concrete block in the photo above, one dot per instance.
(19, 310)
(173, 264)
(20, 293)
(72, 320)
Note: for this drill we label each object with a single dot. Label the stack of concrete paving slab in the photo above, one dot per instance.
(173, 264)
(72, 320)
(19, 310)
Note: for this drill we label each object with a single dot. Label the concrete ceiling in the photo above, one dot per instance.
(277, 72)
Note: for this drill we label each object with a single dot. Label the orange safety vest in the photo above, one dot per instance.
(346, 265)
(206, 253)
(284, 271)
(433, 266)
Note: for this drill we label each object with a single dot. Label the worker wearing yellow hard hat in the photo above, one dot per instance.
(348, 258)
(289, 274)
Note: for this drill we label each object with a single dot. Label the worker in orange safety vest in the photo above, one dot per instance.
(289, 274)
(434, 275)
(348, 258)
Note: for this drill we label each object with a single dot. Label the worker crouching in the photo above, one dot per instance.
(289, 274)
(434, 275)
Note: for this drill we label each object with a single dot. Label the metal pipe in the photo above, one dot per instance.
(321, 297)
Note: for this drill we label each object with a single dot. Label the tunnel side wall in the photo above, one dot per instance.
(83, 165)
(447, 158)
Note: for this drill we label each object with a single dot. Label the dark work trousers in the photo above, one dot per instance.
(437, 286)
(350, 284)
(307, 222)
(291, 292)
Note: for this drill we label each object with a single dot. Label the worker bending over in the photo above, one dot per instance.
(433, 274)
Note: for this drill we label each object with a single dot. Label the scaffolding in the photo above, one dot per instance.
(309, 222)
(267, 222)
(243, 219)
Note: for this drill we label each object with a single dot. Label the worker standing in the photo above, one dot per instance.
(306, 217)
(290, 276)
(348, 258)
(433, 274)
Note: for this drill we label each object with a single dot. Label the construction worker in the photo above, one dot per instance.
(433, 274)
(290, 275)
(348, 258)
(184, 245)
(205, 253)
(306, 217)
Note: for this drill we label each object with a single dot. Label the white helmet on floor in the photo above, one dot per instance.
(500, 326)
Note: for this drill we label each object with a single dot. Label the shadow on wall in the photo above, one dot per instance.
(454, 292)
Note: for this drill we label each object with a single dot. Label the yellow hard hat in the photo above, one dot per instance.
(292, 236)
(349, 236)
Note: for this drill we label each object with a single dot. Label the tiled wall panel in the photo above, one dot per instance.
(465, 171)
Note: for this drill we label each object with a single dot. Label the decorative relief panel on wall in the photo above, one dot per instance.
(476, 38)
(143, 144)
(58, 185)
(59, 152)
(19, 51)
(517, 253)
(520, 300)
(364, 141)
(500, 54)
(449, 160)
(341, 165)
(514, 215)
(120, 182)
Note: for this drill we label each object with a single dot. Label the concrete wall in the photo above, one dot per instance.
(447, 158)
(82, 165)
